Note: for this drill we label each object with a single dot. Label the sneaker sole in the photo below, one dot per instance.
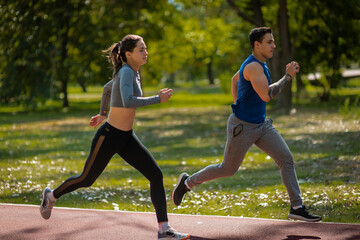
(177, 184)
(297, 217)
(166, 238)
(42, 203)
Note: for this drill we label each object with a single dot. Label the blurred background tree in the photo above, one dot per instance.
(47, 45)
(328, 37)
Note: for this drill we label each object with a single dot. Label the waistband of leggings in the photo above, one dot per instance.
(115, 130)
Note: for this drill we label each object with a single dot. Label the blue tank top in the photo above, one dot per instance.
(249, 106)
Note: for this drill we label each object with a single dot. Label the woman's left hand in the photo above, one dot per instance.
(96, 120)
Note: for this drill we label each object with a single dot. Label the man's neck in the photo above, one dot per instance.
(259, 57)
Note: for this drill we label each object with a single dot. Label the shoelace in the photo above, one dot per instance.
(173, 232)
(170, 230)
(50, 203)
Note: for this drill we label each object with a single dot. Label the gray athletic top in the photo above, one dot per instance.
(125, 91)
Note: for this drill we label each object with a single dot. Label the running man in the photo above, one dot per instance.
(247, 125)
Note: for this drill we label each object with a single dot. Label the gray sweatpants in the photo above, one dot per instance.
(240, 136)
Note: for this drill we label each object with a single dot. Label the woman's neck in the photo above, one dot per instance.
(134, 67)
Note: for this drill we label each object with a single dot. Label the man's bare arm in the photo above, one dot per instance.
(255, 74)
(234, 84)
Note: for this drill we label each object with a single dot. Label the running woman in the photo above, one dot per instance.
(117, 135)
(247, 125)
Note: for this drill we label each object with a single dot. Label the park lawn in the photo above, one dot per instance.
(44, 147)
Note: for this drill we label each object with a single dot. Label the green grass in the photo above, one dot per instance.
(44, 147)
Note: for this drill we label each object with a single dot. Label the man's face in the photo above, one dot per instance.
(267, 46)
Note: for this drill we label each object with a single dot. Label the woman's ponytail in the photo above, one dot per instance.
(113, 55)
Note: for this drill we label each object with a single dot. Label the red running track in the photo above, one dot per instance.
(24, 222)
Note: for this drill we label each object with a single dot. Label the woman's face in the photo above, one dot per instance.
(139, 55)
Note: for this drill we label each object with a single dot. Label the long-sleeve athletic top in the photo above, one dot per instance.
(125, 91)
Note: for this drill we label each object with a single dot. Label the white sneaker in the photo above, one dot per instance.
(46, 204)
(170, 234)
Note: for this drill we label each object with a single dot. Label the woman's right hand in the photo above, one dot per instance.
(165, 94)
(96, 120)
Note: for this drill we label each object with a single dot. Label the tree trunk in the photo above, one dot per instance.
(65, 98)
(256, 6)
(64, 71)
(53, 90)
(300, 87)
(171, 79)
(82, 84)
(210, 73)
(283, 100)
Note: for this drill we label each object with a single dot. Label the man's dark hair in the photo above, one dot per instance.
(257, 34)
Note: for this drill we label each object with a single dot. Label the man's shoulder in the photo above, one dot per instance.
(253, 67)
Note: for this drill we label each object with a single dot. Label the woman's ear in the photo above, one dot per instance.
(127, 54)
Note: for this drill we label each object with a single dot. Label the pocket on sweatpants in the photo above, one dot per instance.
(237, 129)
(269, 122)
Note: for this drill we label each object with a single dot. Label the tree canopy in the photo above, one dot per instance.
(47, 45)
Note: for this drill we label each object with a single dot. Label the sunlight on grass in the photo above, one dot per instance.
(45, 147)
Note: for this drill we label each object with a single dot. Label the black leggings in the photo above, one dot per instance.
(108, 141)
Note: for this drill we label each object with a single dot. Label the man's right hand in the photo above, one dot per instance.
(292, 69)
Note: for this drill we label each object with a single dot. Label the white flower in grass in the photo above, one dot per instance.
(116, 206)
(263, 196)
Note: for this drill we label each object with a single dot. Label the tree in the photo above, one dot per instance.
(328, 39)
(25, 60)
(42, 40)
(206, 33)
(48, 44)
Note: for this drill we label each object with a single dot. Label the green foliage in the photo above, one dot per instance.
(23, 56)
(45, 46)
(350, 110)
(323, 43)
(225, 82)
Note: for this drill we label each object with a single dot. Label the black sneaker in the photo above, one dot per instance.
(303, 214)
(180, 189)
